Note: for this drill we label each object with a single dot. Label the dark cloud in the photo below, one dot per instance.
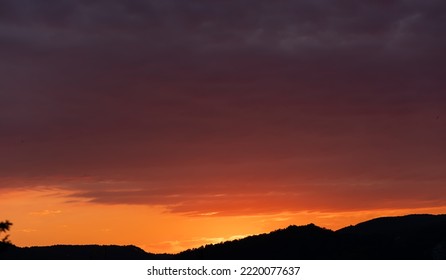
(197, 98)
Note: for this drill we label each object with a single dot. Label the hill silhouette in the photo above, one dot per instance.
(77, 252)
(294, 242)
(408, 237)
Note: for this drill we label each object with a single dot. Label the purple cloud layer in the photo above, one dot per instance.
(164, 102)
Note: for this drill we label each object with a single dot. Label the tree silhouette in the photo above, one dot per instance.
(4, 227)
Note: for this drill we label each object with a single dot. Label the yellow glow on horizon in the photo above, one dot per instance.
(45, 217)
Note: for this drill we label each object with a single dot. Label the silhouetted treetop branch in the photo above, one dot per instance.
(4, 227)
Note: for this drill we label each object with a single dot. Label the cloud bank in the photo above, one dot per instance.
(240, 107)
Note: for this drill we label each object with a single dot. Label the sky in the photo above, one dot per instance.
(170, 124)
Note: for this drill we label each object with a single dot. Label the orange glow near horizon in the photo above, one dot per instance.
(44, 217)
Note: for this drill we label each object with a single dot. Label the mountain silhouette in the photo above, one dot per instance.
(412, 237)
(408, 237)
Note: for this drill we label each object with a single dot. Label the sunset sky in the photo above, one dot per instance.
(169, 124)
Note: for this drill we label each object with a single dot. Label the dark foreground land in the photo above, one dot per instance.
(413, 237)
